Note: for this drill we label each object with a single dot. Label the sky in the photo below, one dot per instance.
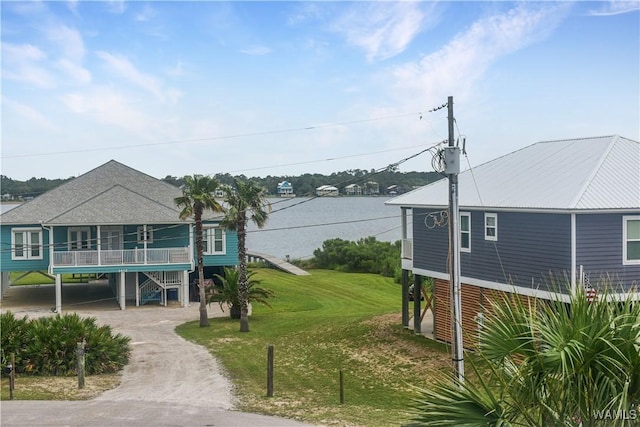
(288, 88)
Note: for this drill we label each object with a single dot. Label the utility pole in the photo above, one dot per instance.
(452, 168)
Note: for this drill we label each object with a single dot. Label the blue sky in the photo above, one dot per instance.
(286, 88)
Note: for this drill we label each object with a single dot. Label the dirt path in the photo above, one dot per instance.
(163, 366)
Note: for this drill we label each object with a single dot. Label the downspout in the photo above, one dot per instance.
(50, 230)
(573, 254)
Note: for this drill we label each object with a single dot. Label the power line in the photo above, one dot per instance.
(213, 138)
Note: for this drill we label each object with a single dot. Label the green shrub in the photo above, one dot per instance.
(47, 346)
(12, 337)
(367, 255)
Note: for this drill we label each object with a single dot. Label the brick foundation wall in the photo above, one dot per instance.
(474, 300)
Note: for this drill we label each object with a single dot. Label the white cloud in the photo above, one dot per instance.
(145, 14)
(116, 7)
(382, 29)
(464, 60)
(25, 63)
(33, 116)
(616, 7)
(106, 105)
(77, 73)
(123, 67)
(68, 40)
(257, 51)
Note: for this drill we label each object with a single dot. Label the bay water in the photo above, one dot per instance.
(298, 226)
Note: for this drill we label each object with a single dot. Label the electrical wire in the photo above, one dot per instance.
(213, 138)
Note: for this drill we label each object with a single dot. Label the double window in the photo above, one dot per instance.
(26, 243)
(213, 241)
(631, 240)
(79, 238)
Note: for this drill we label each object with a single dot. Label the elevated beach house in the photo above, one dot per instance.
(538, 222)
(117, 223)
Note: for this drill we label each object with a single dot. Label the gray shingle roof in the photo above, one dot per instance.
(576, 174)
(109, 194)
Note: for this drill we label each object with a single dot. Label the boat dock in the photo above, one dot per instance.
(276, 262)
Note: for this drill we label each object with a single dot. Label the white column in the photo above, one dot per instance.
(121, 293)
(58, 293)
(5, 282)
(185, 288)
(144, 241)
(137, 289)
(99, 245)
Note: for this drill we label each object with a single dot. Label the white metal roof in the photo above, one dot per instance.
(574, 174)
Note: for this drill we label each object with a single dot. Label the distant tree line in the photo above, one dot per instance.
(303, 185)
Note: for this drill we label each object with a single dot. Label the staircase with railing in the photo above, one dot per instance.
(156, 286)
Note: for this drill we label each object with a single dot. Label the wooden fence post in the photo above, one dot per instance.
(270, 370)
(341, 387)
(12, 376)
(80, 355)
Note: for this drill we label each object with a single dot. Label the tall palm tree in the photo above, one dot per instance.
(546, 364)
(197, 197)
(245, 202)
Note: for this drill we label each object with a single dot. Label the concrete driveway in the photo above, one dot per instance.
(168, 381)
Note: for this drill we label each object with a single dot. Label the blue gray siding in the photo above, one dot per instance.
(531, 248)
(599, 249)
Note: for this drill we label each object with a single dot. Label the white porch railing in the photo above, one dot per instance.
(407, 248)
(121, 257)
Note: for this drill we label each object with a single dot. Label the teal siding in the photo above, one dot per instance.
(8, 264)
(231, 253)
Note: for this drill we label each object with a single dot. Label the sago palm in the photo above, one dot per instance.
(245, 202)
(198, 197)
(227, 292)
(546, 363)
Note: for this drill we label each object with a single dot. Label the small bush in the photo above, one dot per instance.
(367, 255)
(47, 346)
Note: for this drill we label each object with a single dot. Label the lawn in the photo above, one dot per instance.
(319, 325)
(37, 278)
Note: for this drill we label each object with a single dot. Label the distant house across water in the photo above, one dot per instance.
(327, 190)
(371, 188)
(285, 189)
(353, 190)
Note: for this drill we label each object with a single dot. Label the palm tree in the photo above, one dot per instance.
(245, 203)
(227, 293)
(197, 197)
(546, 363)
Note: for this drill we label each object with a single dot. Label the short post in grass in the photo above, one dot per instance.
(341, 387)
(80, 355)
(270, 370)
(11, 370)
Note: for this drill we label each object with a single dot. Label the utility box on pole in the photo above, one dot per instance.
(451, 160)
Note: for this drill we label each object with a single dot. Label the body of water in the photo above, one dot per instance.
(298, 226)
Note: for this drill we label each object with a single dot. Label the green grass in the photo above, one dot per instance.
(319, 325)
(36, 278)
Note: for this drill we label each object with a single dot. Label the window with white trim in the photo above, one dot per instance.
(631, 240)
(213, 241)
(26, 243)
(465, 231)
(491, 226)
(79, 238)
(142, 236)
